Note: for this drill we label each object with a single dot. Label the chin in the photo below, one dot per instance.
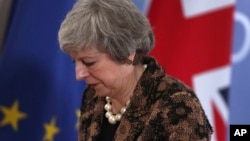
(101, 93)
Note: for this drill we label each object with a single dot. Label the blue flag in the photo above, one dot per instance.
(240, 90)
(39, 96)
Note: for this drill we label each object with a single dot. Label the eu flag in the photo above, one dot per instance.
(39, 96)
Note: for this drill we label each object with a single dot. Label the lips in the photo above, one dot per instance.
(93, 85)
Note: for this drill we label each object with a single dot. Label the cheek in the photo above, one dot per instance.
(108, 77)
(109, 74)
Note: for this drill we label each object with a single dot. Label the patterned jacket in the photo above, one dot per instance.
(161, 109)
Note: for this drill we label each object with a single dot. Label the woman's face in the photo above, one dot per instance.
(101, 73)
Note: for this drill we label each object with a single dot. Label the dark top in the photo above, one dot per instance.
(107, 130)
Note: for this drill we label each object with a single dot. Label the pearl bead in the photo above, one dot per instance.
(107, 98)
(127, 103)
(112, 120)
(107, 107)
(108, 114)
(118, 117)
(123, 110)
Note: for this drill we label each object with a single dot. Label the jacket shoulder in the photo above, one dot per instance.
(182, 107)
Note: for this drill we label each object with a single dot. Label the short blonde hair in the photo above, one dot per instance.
(115, 27)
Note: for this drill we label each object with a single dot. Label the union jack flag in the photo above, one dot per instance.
(193, 43)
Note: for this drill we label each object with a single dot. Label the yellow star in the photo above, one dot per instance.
(78, 113)
(51, 130)
(12, 115)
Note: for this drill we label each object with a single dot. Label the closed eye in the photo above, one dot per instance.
(89, 64)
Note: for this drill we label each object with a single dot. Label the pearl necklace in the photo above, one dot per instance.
(113, 118)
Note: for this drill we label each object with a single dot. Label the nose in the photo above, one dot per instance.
(81, 71)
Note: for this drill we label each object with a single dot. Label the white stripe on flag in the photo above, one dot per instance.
(193, 8)
(207, 86)
(244, 50)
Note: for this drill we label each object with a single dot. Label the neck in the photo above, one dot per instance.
(120, 100)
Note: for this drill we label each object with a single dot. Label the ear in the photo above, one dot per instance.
(132, 56)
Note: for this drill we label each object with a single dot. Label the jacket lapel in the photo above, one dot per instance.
(93, 119)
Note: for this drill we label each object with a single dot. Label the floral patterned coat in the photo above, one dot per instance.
(161, 109)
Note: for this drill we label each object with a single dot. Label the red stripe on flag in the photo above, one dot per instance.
(220, 126)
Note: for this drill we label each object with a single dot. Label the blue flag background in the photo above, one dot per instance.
(39, 96)
(240, 83)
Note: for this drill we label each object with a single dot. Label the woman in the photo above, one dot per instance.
(129, 96)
